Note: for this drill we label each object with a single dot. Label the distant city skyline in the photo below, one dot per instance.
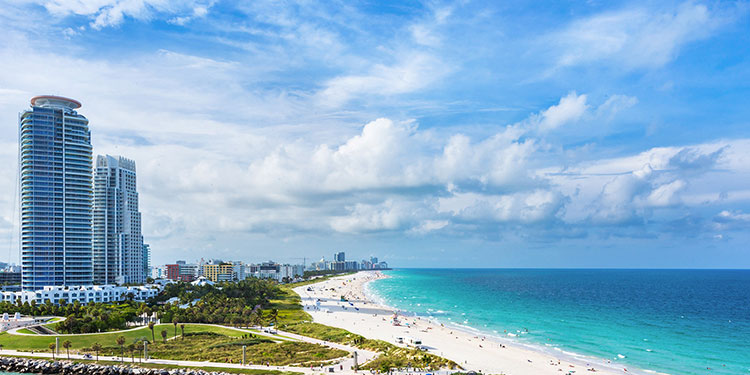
(441, 134)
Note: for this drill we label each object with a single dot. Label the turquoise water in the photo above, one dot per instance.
(671, 321)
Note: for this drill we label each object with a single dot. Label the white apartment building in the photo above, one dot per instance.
(83, 294)
(118, 250)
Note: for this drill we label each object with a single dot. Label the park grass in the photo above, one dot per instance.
(289, 305)
(26, 331)
(41, 342)
(219, 348)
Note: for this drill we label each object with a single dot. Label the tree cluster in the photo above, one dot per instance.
(90, 318)
(231, 303)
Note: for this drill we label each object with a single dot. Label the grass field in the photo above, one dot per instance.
(219, 348)
(41, 342)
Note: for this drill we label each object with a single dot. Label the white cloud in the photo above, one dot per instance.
(366, 218)
(428, 226)
(199, 11)
(525, 207)
(412, 72)
(107, 13)
(570, 109)
(633, 38)
(666, 194)
(614, 105)
(731, 220)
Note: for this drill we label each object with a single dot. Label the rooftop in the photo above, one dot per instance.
(54, 101)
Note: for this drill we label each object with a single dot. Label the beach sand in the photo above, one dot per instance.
(471, 350)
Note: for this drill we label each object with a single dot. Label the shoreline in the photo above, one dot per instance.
(368, 314)
(581, 359)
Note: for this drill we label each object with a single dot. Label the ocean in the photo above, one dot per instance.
(669, 321)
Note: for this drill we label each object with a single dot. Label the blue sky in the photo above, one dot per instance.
(476, 134)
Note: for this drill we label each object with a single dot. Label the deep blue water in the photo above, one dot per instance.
(671, 321)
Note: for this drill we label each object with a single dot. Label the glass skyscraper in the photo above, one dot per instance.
(118, 242)
(56, 194)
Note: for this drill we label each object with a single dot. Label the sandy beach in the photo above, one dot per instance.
(472, 351)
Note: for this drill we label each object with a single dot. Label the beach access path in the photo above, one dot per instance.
(472, 351)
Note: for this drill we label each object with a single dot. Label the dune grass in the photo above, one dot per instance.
(296, 320)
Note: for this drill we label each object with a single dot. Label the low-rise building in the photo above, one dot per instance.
(83, 294)
(219, 272)
(181, 271)
(10, 277)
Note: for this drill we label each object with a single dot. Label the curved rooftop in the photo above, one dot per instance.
(55, 101)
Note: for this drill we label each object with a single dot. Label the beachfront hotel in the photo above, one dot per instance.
(56, 194)
(119, 255)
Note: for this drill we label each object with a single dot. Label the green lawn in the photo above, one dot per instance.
(41, 342)
(219, 348)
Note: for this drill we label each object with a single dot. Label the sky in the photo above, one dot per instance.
(429, 134)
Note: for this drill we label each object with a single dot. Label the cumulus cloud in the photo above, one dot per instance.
(235, 147)
(368, 218)
(523, 207)
(569, 109)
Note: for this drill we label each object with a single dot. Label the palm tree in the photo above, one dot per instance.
(139, 346)
(273, 317)
(121, 342)
(52, 347)
(182, 328)
(97, 348)
(174, 322)
(66, 344)
(164, 335)
(151, 327)
(255, 318)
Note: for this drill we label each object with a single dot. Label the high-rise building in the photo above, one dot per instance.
(147, 259)
(56, 194)
(118, 242)
(339, 257)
